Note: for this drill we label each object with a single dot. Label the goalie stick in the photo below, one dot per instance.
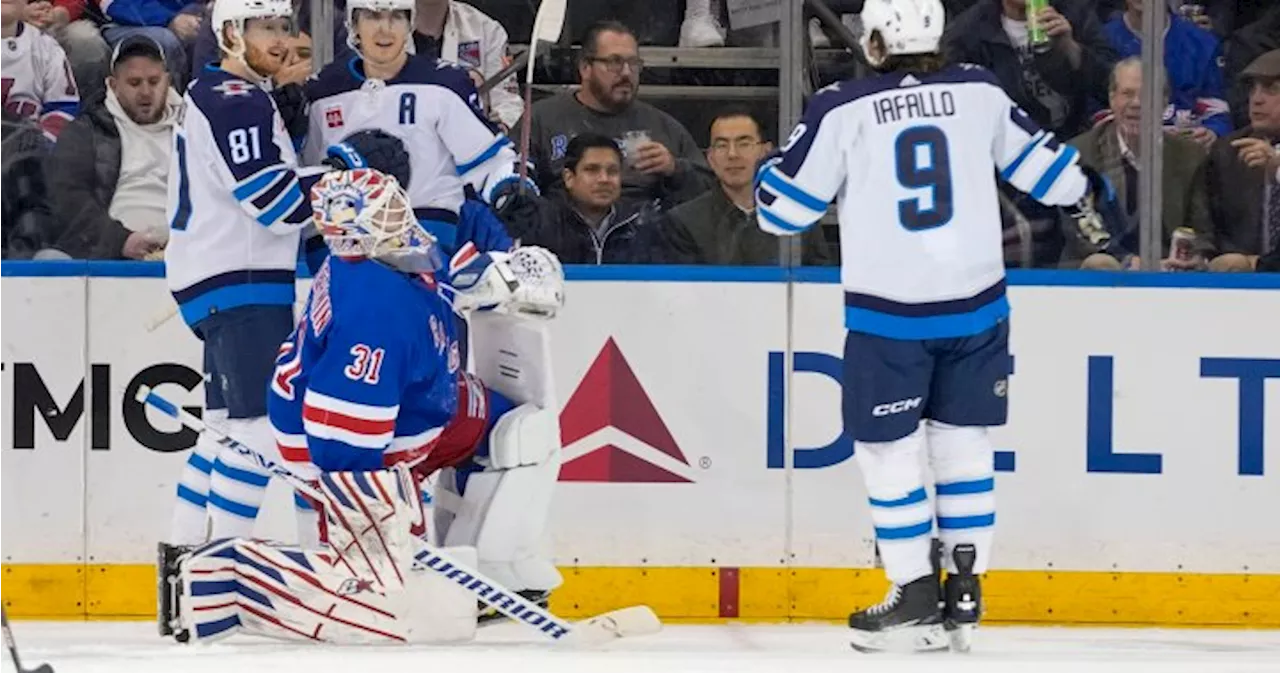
(13, 648)
(636, 620)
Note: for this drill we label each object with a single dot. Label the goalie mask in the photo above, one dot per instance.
(365, 214)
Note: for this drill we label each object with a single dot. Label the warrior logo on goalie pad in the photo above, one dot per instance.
(355, 586)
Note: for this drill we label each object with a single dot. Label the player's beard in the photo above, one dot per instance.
(262, 62)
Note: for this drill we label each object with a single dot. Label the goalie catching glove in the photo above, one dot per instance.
(526, 281)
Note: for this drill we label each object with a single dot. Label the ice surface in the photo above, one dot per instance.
(132, 647)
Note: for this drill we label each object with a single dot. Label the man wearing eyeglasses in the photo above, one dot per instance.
(719, 227)
(662, 160)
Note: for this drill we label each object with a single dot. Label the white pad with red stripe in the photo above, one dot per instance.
(362, 590)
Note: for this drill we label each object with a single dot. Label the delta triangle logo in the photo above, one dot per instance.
(612, 432)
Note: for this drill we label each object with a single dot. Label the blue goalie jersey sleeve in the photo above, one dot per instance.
(370, 370)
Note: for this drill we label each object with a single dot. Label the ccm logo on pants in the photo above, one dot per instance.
(891, 408)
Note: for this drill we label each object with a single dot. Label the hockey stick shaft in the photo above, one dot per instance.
(485, 589)
(12, 645)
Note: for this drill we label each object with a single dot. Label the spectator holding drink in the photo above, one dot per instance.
(1112, 148)
(1050, 57)
(661, 160)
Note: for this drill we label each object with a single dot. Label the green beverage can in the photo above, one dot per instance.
(1036, 36)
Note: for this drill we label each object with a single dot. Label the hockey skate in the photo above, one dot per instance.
(169, 590)
(963, 594)
(909, 619)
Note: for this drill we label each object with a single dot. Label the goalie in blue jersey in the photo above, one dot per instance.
(913, 154)
(368, 399)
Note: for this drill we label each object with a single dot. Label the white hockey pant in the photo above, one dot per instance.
(363, 590)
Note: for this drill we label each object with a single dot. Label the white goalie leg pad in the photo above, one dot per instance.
(503, 512)
(260, 588)
(963, 464)
(370, 519)
(526, 435)
(901, 510)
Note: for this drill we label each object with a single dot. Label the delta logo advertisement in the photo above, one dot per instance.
(611, 431)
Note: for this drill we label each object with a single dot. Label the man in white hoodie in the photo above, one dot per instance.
(111, 177)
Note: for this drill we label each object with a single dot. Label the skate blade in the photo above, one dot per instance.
(901, 640)
(961, 637)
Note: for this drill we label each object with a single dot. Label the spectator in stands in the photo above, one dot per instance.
(588, 223)
(38, 84)
(112, 173)
(27, 228)
(1112, 148)
(173, 24)
(79, 36)
(1244, 175)
(1055, 86)
(1242, 48)
(719, 227)
(459, 33)
(1192, 59)
(662, 161)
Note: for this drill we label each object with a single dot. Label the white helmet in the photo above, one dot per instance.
(236, 12)
(365, 214)
(905, 26)
(377, 6)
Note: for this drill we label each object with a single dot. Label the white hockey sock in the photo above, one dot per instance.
(190, 516)
(900, 506)
(963, 463)
(238, 486)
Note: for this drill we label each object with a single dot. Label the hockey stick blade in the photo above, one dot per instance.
(12, 645)
(633, 621)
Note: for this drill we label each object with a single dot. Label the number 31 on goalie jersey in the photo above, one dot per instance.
(923, 161)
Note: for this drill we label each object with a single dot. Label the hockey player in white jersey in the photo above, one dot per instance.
(431, 105)
(237, 209)
(909, 154)
(38, 84)
(370, 387)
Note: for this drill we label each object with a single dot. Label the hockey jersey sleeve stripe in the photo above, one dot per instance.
(1036, 140)
(68, 108)
(775, 224)
(783, 187)
(258, 182)
(411, 442)
(357, 432)
(1066, 156)
(487, 154)
(286, 203)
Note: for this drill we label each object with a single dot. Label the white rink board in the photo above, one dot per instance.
(702, 353)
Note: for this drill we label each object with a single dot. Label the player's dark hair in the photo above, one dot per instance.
(591, 40)
(919, 64)
(580, 144)
(738, 110)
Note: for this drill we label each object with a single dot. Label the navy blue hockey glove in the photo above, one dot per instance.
(374, 149)
(518, 210)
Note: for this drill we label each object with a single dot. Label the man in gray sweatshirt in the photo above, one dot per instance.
(662, 161)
